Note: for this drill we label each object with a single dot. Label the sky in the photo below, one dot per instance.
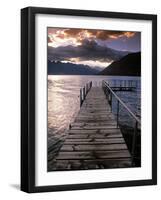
(91, 47)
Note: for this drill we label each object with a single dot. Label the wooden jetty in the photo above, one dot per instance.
(94, 140)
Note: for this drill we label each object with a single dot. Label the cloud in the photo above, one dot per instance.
(81, 34)
(87, 50)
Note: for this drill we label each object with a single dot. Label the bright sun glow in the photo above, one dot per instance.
(90, 62)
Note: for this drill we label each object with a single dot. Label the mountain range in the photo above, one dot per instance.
(129, 65)
(59, 68)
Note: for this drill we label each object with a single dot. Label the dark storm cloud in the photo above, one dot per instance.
(88, 50)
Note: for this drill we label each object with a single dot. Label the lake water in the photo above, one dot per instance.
(63, 102)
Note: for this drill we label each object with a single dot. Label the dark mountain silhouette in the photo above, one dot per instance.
(59, 68)
(88, 50)
(129, 65)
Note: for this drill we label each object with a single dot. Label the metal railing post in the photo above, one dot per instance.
(111, 102)
(118, 105)
(80, 97)
(86, 89)
(134, 142)
(109, 95)
(83, 93)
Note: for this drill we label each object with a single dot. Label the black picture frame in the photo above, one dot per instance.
(28, 99)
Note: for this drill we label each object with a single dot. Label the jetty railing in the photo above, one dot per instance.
(110, 94)
(123, 85)
(84, 91)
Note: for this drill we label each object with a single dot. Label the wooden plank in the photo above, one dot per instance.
(94, 141)
(95, 115)
(90, 120)
(94, 160)
(92, 155)
(83, 108)
(106, 140)
(80, 124)
(92, 98)
(90, 110)
(94, 108)
(93, 112)
(93, 147)
(97, 136)
(92, 103)
(101, 131)
(93, 127)
(96, 118)
(91, 164)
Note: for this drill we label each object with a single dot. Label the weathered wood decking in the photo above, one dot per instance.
(93, 141)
